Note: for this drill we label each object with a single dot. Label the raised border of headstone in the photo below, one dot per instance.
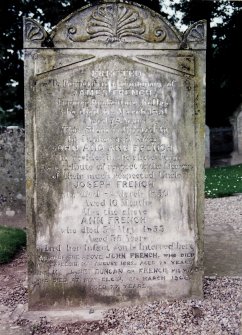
(115, 100)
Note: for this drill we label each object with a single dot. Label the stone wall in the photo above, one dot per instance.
(12, 176)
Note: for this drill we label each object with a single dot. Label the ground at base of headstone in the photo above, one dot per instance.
(217, 314)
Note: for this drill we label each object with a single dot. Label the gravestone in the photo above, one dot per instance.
(221, 146)
(207, 147)
(239, 129)
(239, 132)
(236, 122)
(12, 177)
(115, 158)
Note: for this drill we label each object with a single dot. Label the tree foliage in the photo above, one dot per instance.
(224, 71)
(224, 54)
(47, 12)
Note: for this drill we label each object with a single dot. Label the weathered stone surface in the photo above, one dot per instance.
(115, 157)
(236, 122)
(239, 129)
(12, 176)
(207, 147)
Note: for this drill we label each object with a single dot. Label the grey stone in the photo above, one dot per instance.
(12, 176)
(207, 147)
(114, 158)
(236, 122)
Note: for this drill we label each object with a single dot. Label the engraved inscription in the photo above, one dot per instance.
(114, 154)
(121, 169)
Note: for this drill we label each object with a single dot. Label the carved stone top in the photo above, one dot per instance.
(113, 25)
(196, 34)
(34, 33)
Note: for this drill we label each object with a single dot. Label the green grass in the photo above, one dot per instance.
(11, 241)
(223, 181)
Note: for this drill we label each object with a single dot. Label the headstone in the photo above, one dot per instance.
(221, 146)
(207, 147)
(239, 129)
(115, 158)
(12, 177)
(236, 122)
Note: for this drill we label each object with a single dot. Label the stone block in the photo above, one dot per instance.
(115, 158)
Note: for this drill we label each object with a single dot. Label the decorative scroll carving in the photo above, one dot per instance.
(114, 23)
(160, 34)
(34, 31)
(197, 33)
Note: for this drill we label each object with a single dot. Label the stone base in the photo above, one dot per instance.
(58, 316)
